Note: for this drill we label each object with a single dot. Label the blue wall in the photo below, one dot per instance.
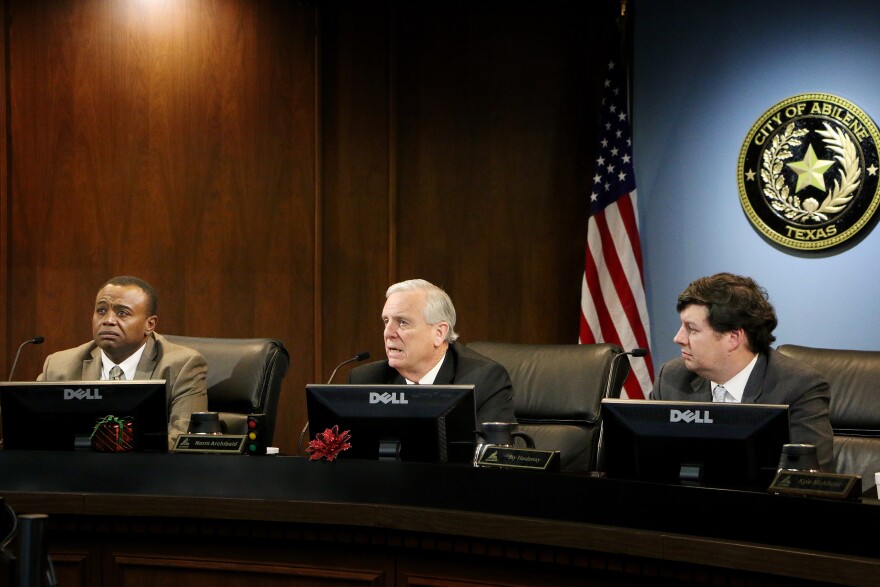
(704, 72)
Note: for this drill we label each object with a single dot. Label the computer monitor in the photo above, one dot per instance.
(423, 423)
(726, 445)
(61, 415)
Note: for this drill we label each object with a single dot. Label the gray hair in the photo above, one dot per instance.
(438, 304)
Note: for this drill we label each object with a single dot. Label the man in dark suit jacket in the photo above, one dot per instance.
(125, 346)
(420, 345)
(725, 336)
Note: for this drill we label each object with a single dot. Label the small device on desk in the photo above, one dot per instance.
(65, 415)
(424, 423)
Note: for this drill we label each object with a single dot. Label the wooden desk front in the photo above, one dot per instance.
(142, 519)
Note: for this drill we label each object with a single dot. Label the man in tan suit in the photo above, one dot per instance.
(126, 346)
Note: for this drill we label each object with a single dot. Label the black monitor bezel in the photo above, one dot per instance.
(366, 428)
(729, 455)
(65, 424)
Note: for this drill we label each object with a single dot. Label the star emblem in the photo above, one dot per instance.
(750, 175)
(872, 170)
(810, 170)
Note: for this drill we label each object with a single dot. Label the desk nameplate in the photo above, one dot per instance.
(830, 485)
(519, 458)
(232, 444)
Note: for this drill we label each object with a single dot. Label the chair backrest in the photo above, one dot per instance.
(557, 393)
(244, 377)
(854, 377)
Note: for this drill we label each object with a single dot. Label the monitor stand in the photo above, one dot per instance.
(691, 474)
(389, 450)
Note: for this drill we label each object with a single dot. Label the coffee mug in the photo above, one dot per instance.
(205, 423)
(799, 457)
(502, 434)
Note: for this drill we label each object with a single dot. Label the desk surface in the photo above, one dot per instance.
(795, 522)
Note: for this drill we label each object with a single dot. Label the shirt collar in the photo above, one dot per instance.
(129, 365)
(736, 385)
(431, 375)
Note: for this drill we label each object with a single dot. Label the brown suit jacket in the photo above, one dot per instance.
(184, 370)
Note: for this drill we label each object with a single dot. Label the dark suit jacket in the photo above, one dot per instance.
(184, 370)
(776, 379)
(493, 392)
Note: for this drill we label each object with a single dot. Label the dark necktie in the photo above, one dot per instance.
(116, 373)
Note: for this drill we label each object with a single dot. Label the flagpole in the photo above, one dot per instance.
(625, 53)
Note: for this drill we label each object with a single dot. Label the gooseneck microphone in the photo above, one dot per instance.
(355, 359)
(600, 444)
(34, 340)
(358, 357)
(611, 372)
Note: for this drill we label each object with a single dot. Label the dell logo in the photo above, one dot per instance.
(387, 398)
(86, 393)
(695, 416)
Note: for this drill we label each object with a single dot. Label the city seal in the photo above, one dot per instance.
(808, 173)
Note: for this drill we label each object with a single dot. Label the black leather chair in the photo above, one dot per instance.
(244, 377)
(557, 393)
(854, 377)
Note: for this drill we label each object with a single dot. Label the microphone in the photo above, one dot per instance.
(600, 444)
(358, 357)
(638, 352)
(34, 340)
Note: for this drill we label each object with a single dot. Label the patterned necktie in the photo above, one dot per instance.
(116, 373)
(720, 395)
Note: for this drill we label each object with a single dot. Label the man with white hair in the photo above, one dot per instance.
(420, 343)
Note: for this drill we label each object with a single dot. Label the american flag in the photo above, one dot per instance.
(613, 307)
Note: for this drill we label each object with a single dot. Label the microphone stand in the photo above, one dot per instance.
(612, 376)
(34, 340)
(358, 357)
(363, 356)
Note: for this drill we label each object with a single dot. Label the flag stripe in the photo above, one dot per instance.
(627, 328)
(627, 318)
(629, 288)
(630, 221)
(644, 369)
(601, 317)
(610, 316)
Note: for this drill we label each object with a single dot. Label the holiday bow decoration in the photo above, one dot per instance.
(328, 444)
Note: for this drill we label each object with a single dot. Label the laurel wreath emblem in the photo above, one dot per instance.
(779, 194)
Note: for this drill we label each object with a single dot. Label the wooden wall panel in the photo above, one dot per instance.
(488, 155)
(272, 166)
(495, 140)
(357, 193)
(170, 140)
(4, 216)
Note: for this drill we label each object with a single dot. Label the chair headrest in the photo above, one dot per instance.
(559, 382)
(238, 368)
(854, 377)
